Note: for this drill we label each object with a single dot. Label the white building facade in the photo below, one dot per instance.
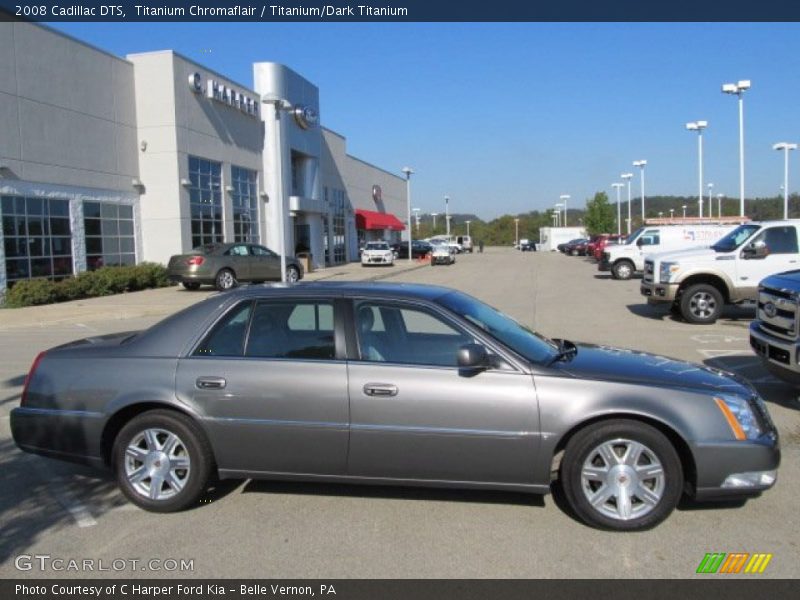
(111, 161)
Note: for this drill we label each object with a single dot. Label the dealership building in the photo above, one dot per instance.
(112, 161)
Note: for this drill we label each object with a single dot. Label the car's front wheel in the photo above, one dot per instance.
(701, 304)
(163, 461)
(622, 269)
(225, 280)
(292, 274)
(622, 474)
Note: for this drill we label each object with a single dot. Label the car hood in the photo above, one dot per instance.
(606, 363)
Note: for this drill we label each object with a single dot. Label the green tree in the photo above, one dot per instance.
(599, 216)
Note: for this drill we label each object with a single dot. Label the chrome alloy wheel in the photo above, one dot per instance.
(226, 280)
(157, 464)
(702, 305)
(623, 479)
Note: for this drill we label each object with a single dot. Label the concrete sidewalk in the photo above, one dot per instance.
(165, 301)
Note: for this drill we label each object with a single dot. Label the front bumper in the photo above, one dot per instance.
(717, 462)
(441, 260)
(778, 355)
(658, 293)
(376, 260)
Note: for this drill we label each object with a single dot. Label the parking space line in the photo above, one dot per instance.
(79, 512)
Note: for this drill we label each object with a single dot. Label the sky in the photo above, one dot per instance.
(506, 117)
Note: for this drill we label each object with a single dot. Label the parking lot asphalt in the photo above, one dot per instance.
(288, 530)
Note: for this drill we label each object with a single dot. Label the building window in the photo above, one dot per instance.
(205, 201)
(110, 240)
(245, 205)
(37, 238)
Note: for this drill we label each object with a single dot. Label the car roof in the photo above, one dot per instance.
(342, 288)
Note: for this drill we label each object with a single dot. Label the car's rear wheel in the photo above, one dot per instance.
(622, 475)
(292, 274)
(163, 461)
(191, 285)
(701, 304)
(225, 280)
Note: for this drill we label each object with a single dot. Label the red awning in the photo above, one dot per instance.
(369, 219)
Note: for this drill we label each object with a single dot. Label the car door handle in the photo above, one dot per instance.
(210, 383)
(380, 389)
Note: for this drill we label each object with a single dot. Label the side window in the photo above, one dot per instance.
(237, 251)
(293, 330)
(780, 240)
(407, 335)
(227, 337)
(651, 238)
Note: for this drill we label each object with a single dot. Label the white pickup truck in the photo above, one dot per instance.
(698, 282)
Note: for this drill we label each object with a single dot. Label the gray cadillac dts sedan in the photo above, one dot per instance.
(393, 384)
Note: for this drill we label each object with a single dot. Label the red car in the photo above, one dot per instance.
(604, 239)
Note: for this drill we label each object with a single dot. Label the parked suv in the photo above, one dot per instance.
(700, 281)
(465, 242)
(626, 259)
(774, 335)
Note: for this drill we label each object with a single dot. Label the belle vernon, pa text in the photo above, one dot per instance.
(273, 10)
(169, 591)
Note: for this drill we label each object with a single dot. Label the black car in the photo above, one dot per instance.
(419, 249)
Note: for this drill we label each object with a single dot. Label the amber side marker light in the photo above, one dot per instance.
(738, 432)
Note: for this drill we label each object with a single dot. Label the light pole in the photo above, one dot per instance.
(660, 214)
(627, 177)
(281, 105)
(408, 172)
(719, 205)
(559, 221)
(618, 186)
(698, 126)
(641, 164)
(738, 90)
(416, 217)
(565, 197)
(786, 147)
(710, 200)
(684, 211)
(671, 214)
(434, 215)
(467, 222)
(447, 215)
(516, 232)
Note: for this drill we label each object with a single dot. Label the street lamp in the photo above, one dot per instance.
(516, 232)
(684, 211)
(565, 197)
(408, 172)
(447, 215)
(738, 90)
(467, 222)
(434, 215)
(719, 205)
(627, 177)
(660, 214)
(559, 222)
(786, 147)
(641, 164)
(416, 217)
(619, 222)
(281, 105)
(671, 213)
(698, 126)
(710, 200)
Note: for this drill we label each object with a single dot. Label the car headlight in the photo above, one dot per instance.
(739, 415)
(666, 271)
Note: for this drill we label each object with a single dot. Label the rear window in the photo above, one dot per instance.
(206, 249)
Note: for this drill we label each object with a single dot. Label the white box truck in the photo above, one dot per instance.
(551, 237)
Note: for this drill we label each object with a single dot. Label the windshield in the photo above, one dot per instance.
(377, 246)
(519, 338)
(632, 237)
(735, 238)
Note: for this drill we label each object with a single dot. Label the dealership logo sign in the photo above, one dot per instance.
(733, 563)
(377, 193)
(224, 94)
(770, 310)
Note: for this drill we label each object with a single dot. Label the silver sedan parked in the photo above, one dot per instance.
(393, 384)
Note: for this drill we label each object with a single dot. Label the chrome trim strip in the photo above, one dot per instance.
(60, 412)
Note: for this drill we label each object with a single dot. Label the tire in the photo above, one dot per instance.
(701, 304)
(623, 269)
(191, 285)
(292, 274)
(225, 280)
(137, 446)
(598, 465)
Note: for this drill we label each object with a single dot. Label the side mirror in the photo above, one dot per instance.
(757, 249)
(473, 357)
(640, 242)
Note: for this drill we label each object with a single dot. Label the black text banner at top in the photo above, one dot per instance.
(278, 11)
